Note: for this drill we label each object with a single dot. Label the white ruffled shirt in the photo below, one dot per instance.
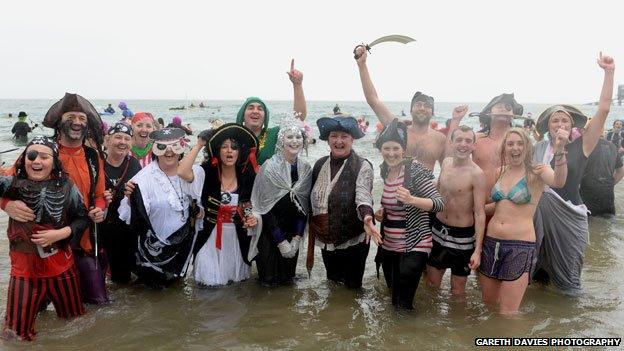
(161, 198)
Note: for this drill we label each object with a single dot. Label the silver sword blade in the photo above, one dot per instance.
(403, 39)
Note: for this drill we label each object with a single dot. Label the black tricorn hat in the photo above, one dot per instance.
(517, 109)
(395, 131)
(244, 137)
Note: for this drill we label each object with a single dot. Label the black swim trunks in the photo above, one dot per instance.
(452, 247)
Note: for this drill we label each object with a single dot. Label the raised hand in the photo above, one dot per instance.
(562, 137)
(606, 62)
(295, 76)
(460, 111)
(360, 54)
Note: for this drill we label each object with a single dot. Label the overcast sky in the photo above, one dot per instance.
(544, 51)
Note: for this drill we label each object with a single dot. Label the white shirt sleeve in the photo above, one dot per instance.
(194, 188)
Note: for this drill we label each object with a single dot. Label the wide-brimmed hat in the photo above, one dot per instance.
(72, 102)
(342, 123)
(578, 118)
(245, 138)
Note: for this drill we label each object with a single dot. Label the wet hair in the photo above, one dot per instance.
(464, 128)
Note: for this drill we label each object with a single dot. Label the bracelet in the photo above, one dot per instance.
(560, 153)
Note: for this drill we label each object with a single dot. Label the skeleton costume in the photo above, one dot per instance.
(223, 245)
(281, 194)
(159, 212)
(38, 274)
(341, 198)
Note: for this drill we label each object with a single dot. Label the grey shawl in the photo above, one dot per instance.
(562, 234)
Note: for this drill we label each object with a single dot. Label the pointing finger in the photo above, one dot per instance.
(292, 64)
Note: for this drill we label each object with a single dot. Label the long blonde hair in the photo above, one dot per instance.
(528, 155)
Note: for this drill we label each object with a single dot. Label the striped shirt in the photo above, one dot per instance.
(417, 237)
(418, 230)
(394, 221)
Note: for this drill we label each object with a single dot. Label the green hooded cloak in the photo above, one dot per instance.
(268, 136)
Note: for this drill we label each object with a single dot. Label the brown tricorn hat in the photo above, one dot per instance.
(76, 103)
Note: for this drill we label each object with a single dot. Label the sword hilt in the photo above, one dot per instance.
(365, 46)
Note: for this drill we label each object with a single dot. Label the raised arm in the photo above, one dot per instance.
(299, 104)
(383, 113)
(185, 168)
(595, 127)
(458, 113)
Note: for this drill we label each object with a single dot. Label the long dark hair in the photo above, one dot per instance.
(57, 169)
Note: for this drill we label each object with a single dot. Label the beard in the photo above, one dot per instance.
(421, 120)
(67, 131)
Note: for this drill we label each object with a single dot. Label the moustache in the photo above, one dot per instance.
(66, 128)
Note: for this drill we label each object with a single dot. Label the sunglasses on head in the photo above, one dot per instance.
(32, 155)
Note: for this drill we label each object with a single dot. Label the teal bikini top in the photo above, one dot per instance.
(519, 194)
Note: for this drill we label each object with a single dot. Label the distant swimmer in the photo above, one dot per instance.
(21, 128)
(403, 113)
(110, 109)
(337, 110)
(201, 105)
(176, 122)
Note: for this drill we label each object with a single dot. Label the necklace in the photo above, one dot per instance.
(180, 196)
(228, 187)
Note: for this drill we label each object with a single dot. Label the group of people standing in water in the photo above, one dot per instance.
(142, 207)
